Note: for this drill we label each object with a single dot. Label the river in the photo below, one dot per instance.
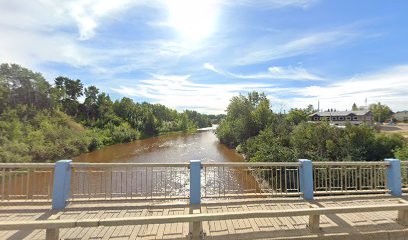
(141, 181)
(135, 181)
(177, 148)
(174, 148)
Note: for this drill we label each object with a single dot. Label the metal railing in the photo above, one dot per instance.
(349, 177)
(30, 181)
(404, 176)
(26, 181)
(129, 180)
(246, 179)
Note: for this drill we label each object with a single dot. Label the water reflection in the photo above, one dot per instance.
(166, 149)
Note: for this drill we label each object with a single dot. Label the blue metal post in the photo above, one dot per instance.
(394, 176)
(195, 181)
(62, 184)
(306, 178)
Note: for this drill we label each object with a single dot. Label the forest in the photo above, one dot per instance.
(261, 135)
(42, 122)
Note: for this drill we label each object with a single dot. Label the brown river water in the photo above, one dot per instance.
(175, 148)
(140, 181)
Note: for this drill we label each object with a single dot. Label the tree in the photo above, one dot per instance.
(66, 92)
(91, 96)
(246, 117)
(19, 85)
(73, 88)
(105, 109)
(402, 152)
(380, 112)
(297, 116)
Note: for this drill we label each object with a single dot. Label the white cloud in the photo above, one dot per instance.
(267, 49)
(273, 73)
(35, 33)
(88, 14)
(268, 4)
(48, 15)
(211, 67)
(181, 92)
(389, 86)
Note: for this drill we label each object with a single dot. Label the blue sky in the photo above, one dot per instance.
(198, 54)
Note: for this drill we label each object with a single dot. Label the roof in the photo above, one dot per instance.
(340, 113)
(401, 113)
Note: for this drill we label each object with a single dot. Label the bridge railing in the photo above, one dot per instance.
(250, 179)
(404, 176)
(80, 181)
(129, 180)
(26, 181)
(349, 177)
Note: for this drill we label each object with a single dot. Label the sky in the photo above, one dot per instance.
(189, 54)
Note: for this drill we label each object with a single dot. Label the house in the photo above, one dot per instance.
(401, 116)
(342, 117)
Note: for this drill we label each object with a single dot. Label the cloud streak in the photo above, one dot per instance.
(272, 4)
(267, 50)
(273, 73)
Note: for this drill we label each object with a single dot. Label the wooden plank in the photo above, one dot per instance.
(229, 224)
(73, 233)
(86, 235)
(109, 230)
(162, 227)
(44, 224)
(136, 229)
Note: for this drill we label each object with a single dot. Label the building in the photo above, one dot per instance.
(342, 117)
(401, 116)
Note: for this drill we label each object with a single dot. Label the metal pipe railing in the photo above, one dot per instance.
(171, 180)
(349, 177)
(129, 180)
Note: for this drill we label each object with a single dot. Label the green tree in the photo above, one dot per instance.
(297, 116)
(380, 112)
(90, 102)
(402, 152)
(19, 85)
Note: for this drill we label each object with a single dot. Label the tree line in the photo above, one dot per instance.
(43, 122)
(261, 135)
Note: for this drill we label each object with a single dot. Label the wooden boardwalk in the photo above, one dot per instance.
(373, 225)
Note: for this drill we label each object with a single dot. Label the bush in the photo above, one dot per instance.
(402, 152)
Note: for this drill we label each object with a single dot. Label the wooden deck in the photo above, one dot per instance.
(374, 225)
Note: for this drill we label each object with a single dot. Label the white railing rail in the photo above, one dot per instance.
(404, 175)
(31, 181)
(349, 177)
(129, 180)
(26, 181)
(250, 179)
